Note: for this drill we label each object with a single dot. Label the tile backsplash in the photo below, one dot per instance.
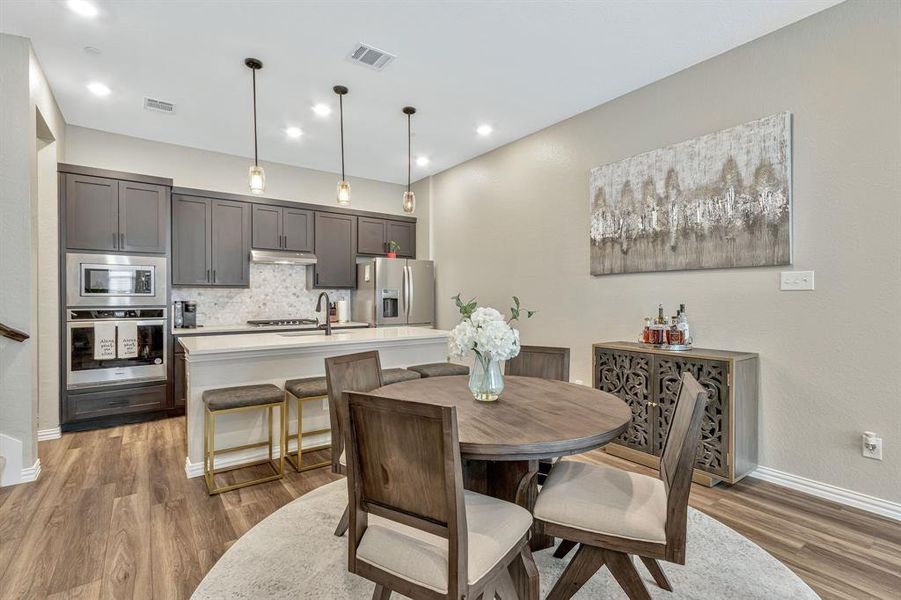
(275, 292)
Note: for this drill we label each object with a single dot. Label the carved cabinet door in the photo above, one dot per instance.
(713, 375)
(628, 376)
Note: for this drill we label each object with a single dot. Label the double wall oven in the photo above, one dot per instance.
(116, 319)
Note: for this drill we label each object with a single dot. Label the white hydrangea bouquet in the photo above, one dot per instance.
(486, 333)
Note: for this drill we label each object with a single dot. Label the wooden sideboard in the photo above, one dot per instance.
(647, 379)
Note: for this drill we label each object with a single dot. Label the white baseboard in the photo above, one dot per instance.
(195, 469)
(31, 473)
(885, 508)
(54, 433)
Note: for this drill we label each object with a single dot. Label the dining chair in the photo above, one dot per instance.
(612, 514)
(361, 372)
(545, 362)
(540, 361)
(414, 530)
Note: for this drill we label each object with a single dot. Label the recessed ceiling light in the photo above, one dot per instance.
(422, 161)
(484, 129)
(293, 132)
(323, 110)
(98, 89)
(82, 7)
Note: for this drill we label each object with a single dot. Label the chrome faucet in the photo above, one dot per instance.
(328, 322)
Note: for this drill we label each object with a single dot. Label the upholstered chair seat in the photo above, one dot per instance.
(242, 396)
(604, 500)
(444, 369)
(307, 387)
(390, 376)
(493, 528)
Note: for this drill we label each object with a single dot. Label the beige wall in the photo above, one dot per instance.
(515, 221)
(27, 110)
(190, 167)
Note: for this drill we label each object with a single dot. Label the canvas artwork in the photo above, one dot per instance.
(719, 200)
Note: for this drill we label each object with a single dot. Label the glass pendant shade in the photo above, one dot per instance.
(409, 202)
(257, 179)
(343, 193)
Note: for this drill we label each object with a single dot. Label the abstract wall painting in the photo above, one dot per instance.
(717, 201)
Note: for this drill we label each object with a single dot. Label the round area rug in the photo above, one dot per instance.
(293, 554)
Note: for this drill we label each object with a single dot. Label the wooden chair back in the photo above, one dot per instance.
(360, 372)
(403, 464)
(540, 361)
(678, 459)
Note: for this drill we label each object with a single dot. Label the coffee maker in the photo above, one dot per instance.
(185, 314)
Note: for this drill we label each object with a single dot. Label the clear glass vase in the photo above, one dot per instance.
(486, 381)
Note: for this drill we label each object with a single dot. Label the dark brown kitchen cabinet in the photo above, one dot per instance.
(108, 214)
(230, 260)
(91, 213)
(211, 242)
(298, 229)
(143, 211)
(282, 228)
(403, 233)
(179, 383)
(336, 237)
(191, 227)
(267, 227)
(373, 235)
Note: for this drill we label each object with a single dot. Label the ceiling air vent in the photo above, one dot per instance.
(159, 106)
(370, 57)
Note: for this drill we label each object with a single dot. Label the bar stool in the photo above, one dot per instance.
(390, 376)
(303, 390)
(443, 369)
(237, 399)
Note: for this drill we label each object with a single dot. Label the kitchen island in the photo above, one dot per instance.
(216, 361)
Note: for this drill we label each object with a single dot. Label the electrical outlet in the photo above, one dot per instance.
(793, 281)
(871, 445)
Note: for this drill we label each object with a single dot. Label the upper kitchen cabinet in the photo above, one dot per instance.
(230, 248)
(336, 236)
(143, 209)
(191, 229)
(211, 242)
(373, 235)
(404, 233)
(108, 214)
(282, 228)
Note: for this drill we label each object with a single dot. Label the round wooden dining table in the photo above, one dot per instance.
(501, 442)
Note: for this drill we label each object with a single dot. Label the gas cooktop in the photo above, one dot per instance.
(281, 322)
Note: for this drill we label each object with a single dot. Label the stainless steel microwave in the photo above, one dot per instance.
(115, 280)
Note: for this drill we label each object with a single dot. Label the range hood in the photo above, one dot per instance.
(282, 257)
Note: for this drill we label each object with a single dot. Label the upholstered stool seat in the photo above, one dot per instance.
(264, 397)
(390, 376)
(244, 395)
(444, 369)
(307, 387)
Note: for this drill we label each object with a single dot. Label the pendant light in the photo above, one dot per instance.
(257, 175)
(409, 196)
(343, 186)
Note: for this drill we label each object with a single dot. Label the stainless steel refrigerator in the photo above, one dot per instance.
(395, 291)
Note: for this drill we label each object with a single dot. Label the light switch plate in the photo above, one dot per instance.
(793, 281)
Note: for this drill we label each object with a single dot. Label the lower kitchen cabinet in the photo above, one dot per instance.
(179, 381)
(336, 251)
(94, 404)
(648, 380)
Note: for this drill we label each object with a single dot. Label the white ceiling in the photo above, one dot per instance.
(519, 66)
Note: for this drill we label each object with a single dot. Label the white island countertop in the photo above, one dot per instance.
(206, 345)
(245, 328)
